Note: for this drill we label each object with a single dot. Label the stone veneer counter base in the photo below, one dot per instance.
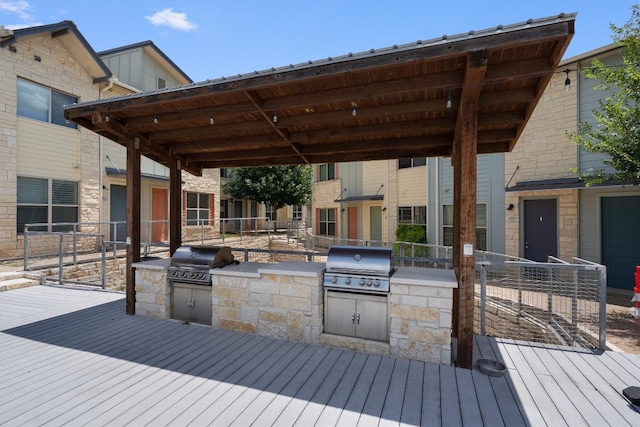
(286, 301)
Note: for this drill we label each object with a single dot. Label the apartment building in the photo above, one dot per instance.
(530, 202)
(549, 209)
(53, 171)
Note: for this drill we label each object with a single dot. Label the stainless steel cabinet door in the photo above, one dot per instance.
(201, 305)
(340, 316)
(371, 320)
(181, 303)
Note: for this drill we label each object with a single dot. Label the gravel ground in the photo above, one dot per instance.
(623, 330)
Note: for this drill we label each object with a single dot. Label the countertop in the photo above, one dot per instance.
(424, 277)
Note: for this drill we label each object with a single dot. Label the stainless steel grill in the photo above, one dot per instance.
(359, 269)
(191, 264)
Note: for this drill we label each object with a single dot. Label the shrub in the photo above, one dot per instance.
(411, 233)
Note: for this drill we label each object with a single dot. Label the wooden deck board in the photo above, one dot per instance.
(72, 357)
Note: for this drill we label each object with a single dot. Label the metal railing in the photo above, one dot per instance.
(554, 302)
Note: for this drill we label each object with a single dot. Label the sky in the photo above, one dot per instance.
(209, 39)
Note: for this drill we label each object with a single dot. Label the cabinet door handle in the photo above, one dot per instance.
(358, 318)
(353, 318)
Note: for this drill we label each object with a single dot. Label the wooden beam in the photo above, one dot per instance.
(464, 223)
(133, 220)
(175, 205)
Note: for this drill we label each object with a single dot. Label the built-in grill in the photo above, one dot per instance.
(191, 264)
(359, 269)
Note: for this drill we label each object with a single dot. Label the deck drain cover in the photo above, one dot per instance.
(490, 367)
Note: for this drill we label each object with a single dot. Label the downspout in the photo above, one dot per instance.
(101, 160)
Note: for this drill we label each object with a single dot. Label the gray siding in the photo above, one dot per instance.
(490, 190)
(589, 98)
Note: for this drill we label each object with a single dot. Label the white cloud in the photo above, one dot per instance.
(171, 19)
(19, 7)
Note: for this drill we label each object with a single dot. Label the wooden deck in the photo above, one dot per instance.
(72, 357)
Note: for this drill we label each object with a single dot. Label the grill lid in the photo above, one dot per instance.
(202, 257)
(360, 260)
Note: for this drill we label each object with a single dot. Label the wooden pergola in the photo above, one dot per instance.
(456, 96)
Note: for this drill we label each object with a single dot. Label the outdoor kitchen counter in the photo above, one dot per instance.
(283, 300)
(420, 313)
(286, 301)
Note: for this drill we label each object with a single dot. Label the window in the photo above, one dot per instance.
(197, 209)
(161, 83)
(327, 222)
(412, 163)
(297, 212)
(224, 209)
(412, 215)
(327, 172)
(225, 173)
(46, 201)
(41, 103)
(270, 212)
(481, 226)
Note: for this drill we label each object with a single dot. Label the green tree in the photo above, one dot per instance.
(277, 185)
(617, 129)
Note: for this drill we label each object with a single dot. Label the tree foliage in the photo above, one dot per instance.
(277, 185)
(617, 129)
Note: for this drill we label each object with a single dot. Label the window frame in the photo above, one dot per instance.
(413, 162)
(326, 172)
(55, 202)
(326, 223)
(482, 230)
(198, 209)
(414, 215)
(54, 109)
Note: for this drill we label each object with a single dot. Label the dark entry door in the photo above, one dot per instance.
(118, 212)
(540, 229)
(620, 239)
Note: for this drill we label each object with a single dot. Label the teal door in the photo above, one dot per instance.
(621, 239)
(118, 212)
(375, 224)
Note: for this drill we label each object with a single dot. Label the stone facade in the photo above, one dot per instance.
(544, 152)
(277, 300)
(56, 68)
(153, 296)
(420, 323)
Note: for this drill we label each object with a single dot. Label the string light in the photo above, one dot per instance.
(449, 103)
(107, 118)
(155, 118)
(354, 111)
(211, 120)
(567, 82)
(275, 117)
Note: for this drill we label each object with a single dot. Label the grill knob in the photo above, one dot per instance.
(377, 284)
(347, 281)
(361, 283)
(369, 283)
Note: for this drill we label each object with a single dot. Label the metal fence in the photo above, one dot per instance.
(555, 302)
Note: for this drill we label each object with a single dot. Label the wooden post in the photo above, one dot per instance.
(133, 220)
(175, 206)
(465, 174)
